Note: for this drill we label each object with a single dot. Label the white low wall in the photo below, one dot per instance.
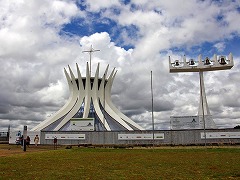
(168, 137)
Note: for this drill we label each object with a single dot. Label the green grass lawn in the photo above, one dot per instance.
(101, 163)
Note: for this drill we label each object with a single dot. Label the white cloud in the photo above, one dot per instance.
(95, 5)
(172, 24)
(28, 27)
(33, 55)
(220, 46)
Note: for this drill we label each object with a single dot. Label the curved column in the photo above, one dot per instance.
(64, 110)
(108, 105)
(87, 100)
(102, 88)
(96, 100)
(80, 82)
(101, 93)
(77, 105)
(123, 116)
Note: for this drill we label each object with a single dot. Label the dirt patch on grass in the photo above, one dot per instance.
(9, 150)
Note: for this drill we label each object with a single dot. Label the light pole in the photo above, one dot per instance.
(152, 110)
(214, 64)
(24, 137)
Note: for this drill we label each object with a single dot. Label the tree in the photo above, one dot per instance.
(237, 127)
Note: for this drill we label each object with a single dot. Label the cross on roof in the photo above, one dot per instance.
(90, 51)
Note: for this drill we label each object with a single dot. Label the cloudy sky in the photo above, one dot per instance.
(39, 38)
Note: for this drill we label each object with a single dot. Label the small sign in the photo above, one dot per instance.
(220, 135)
(81, 124)
(157, 136)
(185, 122)
(65, 136)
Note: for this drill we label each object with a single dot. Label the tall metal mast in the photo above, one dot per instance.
(153, 128)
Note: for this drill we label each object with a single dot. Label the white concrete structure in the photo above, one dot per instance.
(217, 63)
(90, 97)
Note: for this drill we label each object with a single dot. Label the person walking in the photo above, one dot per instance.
(36, 140)
(21, 140)
(28, 141)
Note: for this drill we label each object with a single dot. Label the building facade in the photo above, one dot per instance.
(89, 107)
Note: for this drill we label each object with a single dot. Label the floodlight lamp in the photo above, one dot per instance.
(222, 60)
(207, 61)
